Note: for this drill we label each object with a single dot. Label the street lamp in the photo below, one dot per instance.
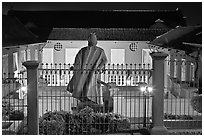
(145, 90)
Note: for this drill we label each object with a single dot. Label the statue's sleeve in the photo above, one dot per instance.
(104, 60)
(78, 60)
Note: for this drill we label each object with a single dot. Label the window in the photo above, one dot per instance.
(47, 57)
(36, 54)
(175, 68)
(27, 54)
(15, 64)
(23, 56)
(133, 46)
(15, 61)
(70, 54)
(117, 56)
(5, 64)
(192, 72)
(168, 64)
(58, 46)
(183, 70)
(146, 58)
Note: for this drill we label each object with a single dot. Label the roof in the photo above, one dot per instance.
(123, 34)
(100, 19)
(188, 39)
(135, 23)
(14, 33)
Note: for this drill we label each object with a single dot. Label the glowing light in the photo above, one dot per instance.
(24, 89)
(150, 89)
(146, 89)
(17, 91)
(143, 89)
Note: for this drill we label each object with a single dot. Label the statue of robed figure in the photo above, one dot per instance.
(83, 85)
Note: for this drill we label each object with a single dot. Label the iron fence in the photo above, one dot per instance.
(126, 109)
(182, 95)
(14, 103)
(126, 106)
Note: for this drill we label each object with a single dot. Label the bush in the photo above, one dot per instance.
(110, 122)
(9, 113)
(16, 115)
(84, 122)
(185, 132)
(6, 110)
(180, 117)
(196, 103)
(52, 123)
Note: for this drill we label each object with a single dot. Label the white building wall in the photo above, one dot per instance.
(131, 57)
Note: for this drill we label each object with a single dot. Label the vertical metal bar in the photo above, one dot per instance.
(166, 98)
(148, 108)
(135, 92)
(180, 106)
(120, 96)
(69, 98)
(184, 105)
(148, 101)
(176, 99)
(104, 72)
(55, 86)
(131, 94)
(24, 103)
(9, 99)
(126, 95)
(144, 122)
(49, 80)
(60, 84)
(13, 91)
(140, 96)
(66, 83)
(46, 97)
(52, 83)
(171, 97)
(41, 99)
(19, 106)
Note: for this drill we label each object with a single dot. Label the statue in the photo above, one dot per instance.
(83, 84)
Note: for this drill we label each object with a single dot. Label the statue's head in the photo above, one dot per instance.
(92, 40)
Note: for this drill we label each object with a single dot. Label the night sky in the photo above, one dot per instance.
(191, 10)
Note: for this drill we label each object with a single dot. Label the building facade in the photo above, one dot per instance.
(124, 36)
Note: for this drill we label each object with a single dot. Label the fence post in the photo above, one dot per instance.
(158, 97)
(32, 96)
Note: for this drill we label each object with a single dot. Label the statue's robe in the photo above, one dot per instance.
(83, 84)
